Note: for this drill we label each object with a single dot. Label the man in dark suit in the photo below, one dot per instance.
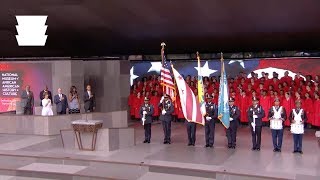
(27, 101)
(89, 100)
(166, 117)
(255, 115)
(234, 119)
(42, 94)
(210, 119)
(146, 111)
(61, 102)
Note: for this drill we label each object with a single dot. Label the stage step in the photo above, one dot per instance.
(179, 171)
(162, 176)
(55, 168)
(4, 177)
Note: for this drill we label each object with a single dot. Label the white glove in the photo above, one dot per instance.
(164, 112)
(208, 118)
(255, 116)
(143, 120)
(231, 119)
(253, 124)
(144, 112)
(161, 100)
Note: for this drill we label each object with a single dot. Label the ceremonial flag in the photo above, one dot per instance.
(189, 103)
(200, 89)
(165, 77)
(223, 105)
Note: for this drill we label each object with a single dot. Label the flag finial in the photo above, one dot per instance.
(221, 56)
(163, 45)
(198, 55)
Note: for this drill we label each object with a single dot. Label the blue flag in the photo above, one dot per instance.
(223, 104)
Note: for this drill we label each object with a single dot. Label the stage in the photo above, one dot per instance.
(42, 157)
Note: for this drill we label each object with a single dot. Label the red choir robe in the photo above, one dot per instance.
(154, 101)
(137, 103)
(288, 104)
(316, 105)
(286, 79)
(297, 81)
(245, 102)
(265, 102)
(308, 107)
(130, 103)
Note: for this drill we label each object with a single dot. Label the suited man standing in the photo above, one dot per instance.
(61, 102)
(166, 117)
(146, 111)
(89, 100)
(255, 115)
(27, 101)
(43, 92)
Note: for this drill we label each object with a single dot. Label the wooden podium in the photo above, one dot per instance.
(86, 126)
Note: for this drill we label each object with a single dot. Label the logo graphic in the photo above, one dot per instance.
(31, 30)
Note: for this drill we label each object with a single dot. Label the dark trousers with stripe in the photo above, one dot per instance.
(209, 132)
(277, 136)
(191, 130)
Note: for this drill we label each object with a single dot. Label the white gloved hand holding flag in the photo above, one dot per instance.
(164, 112)
(143, 120)
(162, 98)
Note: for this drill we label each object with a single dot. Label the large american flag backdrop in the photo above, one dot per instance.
(307, 66)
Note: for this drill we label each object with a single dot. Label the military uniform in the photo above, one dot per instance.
(210, 117)
(297, 114)
(234, 120)
(255, 115)
(277, 112)
(166, 118)
(146, 112)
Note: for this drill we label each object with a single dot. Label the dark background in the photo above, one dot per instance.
(111, 27)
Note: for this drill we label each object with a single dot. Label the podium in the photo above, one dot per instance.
(86, 126)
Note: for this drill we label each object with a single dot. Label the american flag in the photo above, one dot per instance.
(166, 78)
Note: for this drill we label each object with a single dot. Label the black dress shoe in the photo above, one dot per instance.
(279, 150)
(189, 144)
(275, 150)
(233, 147)
(165, 142)
(294, 151)
(207, 145)
(145, 141)
(169, 142)
(211, 146)
(300, 152)
(193, 144)
(253, 149)
(229, 146)
(258, 149)
(148, 142)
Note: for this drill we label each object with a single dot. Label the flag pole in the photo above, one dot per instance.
(162, 59)
(220, 80)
